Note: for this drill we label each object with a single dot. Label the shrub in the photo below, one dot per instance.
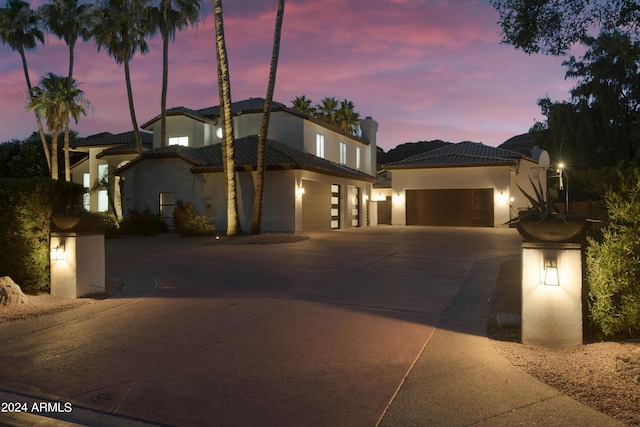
(110, 226)
(145, 223)
(613, 262)
(189, 222)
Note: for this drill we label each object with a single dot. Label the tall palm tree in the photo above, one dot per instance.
(68, 20)
(56, 103)
(256, 220)
(347, 118)
(327, 110)
(224, 92)
(121, 28)
(303, 104)
(19, 28)
(169, 17)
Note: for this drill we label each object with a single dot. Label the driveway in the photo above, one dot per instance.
(318, 332)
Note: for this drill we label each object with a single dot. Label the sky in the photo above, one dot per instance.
(423, 69)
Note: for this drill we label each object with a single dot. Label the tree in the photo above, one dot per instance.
(347, 118)
(19, 28)
(121, 28)
(303, 104)
(54, 101)
(224, 92)
(169, 17)
(256, 221)
(552, 26)
(68, 20)
(327, 111)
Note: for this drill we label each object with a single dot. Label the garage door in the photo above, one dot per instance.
(460, 207)
(316, 206)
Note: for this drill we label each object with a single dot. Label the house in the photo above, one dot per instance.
(463, 184)
(99, 155)
(317, 176)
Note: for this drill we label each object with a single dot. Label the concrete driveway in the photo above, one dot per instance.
(317, 332)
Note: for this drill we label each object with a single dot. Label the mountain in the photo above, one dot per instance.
(408, 149)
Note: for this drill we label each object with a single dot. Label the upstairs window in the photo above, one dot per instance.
(358, 155)
(343, 153)
(320, 145)
(179, 140)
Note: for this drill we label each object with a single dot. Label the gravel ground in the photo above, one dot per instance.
(587, 373)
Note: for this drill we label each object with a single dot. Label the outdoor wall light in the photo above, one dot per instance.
(300, 191)
(366, 197)
(58, 253)
(551, 277)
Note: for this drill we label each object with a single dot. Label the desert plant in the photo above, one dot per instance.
(198, 226)
(143, 222)
(183, 213)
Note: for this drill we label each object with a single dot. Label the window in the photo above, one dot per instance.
(320, 145)
(167, 203)
(179, 140)
(358, 155)
(86, 197)
(103, 195)
(343, 153)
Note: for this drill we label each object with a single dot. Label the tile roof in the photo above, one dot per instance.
(250, 105)
(459, 155)
(277, 157)
(107, 138)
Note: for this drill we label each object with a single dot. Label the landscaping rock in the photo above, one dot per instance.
(628, 365)
(10, 293)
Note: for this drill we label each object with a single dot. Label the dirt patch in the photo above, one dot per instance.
(586, 373)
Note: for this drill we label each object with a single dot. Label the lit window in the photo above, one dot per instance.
(86, 181)
(358, 158)
(167, 204)
(179, 140)
(103, 173)
(343, 153)
(103, 201)
(320, 145)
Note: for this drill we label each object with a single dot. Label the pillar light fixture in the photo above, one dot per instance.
(58, 253)
(551, 277)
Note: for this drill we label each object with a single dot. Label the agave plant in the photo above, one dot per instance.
(541, 207)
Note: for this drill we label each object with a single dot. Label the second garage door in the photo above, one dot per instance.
(459, 207)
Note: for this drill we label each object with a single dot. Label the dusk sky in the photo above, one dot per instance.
(424, 69)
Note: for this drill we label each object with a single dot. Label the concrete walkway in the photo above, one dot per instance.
(360, 327)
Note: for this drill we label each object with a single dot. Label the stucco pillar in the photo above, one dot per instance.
(77, 264)
(552, 294)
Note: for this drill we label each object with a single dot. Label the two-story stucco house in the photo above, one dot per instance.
(317, 177)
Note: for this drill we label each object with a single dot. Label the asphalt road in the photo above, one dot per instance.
(320, 332)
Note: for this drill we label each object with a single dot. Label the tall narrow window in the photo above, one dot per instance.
(343, 153)
(103, 194)
(167, 203)
(86, 197)
(179, 140)
(358, 155)
(320, 145)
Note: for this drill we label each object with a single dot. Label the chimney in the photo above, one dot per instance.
(369, 129)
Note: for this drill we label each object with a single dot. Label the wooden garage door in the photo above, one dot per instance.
(316, 206)
(460, 207)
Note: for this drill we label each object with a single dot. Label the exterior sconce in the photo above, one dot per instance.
(551, 277)
(366, 197)
(502, 197)
(300, 191)
(58, 253)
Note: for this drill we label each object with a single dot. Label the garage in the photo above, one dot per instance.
(316, 206)
(450, 207)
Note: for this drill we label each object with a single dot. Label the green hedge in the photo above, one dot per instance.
(26, 207)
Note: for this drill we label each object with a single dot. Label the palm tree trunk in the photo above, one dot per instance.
(67, 162)
(43, 139)
(132, 111)
(256, 220)
(224, 90)
(165, 80)
(54, 153)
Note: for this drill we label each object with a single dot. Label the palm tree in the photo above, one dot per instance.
(256, 221)
(224, 92)
(327, 110)
(68, 20)
(121, 28)
(19, 28)
(169, 17)
(303, 104)
(347, 118)
(56, 103)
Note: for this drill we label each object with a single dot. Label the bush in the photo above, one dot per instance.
(613, 262)
(110, 226)
(189, 222)
(145, 223)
